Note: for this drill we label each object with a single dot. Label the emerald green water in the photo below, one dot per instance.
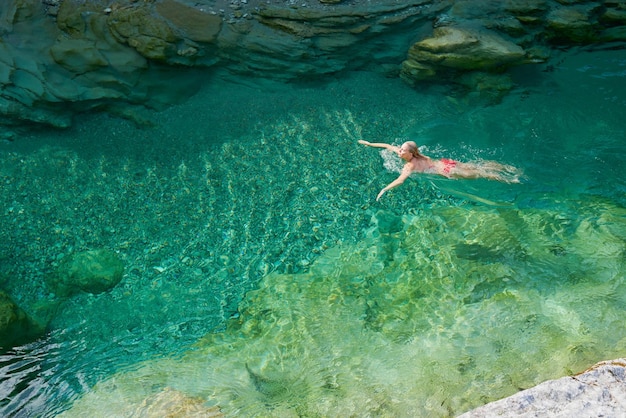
(263, 279)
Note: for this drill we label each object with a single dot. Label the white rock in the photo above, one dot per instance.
(597, 392)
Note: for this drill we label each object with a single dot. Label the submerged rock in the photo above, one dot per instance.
(173, 403)
(94, 271)
(597, 392)
(15, 326)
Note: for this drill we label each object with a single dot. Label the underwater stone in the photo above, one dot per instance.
(388, 223)
(486, 83)
(94, 271)
(173, 403)
(15, 326)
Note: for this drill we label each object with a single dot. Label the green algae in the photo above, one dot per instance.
(405, 323)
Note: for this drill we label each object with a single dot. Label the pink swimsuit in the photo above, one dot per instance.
(448, 165)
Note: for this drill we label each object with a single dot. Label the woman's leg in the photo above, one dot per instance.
(486, 169)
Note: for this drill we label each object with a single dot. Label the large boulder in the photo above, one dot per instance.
(93, 271)
(479, 55)
(466, 49)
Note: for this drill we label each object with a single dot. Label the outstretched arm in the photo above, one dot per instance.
(379, 145)
(406, 172)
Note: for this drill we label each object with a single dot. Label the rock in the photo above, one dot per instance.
(77, 55)
(84, 59)
(414, 71)
(197, 25)
(456, 49)
(173, 403)
(613, 34)
(510, 26)
(597, 392)
(15, 326)
(6, 65)
(25, 9)
(70, 16)
(571, 24)
(488, 85)
(94, 271)
(387, 222)
(614, 16)
(466, 49)
(144, 31)
(526, 7)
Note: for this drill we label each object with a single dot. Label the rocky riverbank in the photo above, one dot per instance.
(60, 57)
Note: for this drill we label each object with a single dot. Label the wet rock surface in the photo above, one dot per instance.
(94, 54)
(597, 392)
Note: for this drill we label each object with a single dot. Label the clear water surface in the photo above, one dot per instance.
(262, 278)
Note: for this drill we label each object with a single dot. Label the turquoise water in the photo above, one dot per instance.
(262, 278)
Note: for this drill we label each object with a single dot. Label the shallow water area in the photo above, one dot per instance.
(262, 278)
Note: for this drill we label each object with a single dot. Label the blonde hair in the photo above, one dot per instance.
(412, 146)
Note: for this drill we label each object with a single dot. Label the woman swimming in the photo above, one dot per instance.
(419, 163)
